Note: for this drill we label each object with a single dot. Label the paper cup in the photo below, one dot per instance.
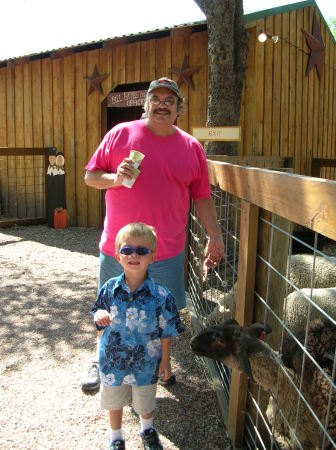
(137, 157)
(129, 182)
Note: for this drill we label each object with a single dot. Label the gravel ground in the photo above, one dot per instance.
(48, 283)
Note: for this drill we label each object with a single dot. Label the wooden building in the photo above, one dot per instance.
(55, 99)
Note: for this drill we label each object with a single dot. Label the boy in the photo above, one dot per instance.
(139, 317)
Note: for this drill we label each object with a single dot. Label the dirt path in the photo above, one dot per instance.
(48, 284)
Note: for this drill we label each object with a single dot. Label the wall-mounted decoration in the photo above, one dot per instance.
(95, 80)
(56, 183)
(185, 73)
(317, 48)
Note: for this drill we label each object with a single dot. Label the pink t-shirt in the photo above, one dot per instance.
(173, 170)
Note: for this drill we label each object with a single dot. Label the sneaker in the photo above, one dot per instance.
(150, 440)
(169, 382)
(92, 380)
(118, 444)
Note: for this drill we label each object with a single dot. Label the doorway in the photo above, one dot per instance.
(111, 116)
(117, 115)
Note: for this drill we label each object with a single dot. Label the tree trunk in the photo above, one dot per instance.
(227, 47)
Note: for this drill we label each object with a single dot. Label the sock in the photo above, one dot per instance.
(145, 424)
(116, 434)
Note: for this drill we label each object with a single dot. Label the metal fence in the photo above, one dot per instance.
(274, 267)
(23, 184)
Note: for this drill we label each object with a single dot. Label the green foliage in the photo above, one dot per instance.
(332, 25)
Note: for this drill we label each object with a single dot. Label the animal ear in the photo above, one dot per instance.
(290, 349)
(244, 363)
(230, 322)
(259, 330)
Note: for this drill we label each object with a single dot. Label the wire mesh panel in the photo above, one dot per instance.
(291, 292)
(291, 398)
(212, 296)
(22, 184)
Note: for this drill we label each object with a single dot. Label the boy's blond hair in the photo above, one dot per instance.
(137, 229)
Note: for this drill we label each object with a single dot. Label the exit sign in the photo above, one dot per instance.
(217, 133)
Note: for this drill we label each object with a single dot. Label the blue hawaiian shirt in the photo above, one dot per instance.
(130, 349)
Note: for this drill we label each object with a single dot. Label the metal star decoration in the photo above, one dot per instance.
(185, 73)
(317, 48)
(95, 80)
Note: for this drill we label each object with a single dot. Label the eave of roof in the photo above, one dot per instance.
(127, 38)
(249, 20)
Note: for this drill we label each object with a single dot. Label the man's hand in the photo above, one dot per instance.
(124, 170)
(102, 318)
(214, 252)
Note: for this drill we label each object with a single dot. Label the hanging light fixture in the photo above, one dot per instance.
(263, 36)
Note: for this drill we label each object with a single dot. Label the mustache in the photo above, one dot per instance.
(162, 110)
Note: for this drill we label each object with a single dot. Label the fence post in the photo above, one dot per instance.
(244, 314)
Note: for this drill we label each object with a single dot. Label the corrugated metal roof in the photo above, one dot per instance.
(99, 44)
(249, 17)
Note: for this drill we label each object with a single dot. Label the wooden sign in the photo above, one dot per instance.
(217, 133)
(125, 99)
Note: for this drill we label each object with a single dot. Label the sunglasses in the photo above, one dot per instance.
(128, 250)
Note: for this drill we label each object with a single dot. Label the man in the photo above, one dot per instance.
(173, 170)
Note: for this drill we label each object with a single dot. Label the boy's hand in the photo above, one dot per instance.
(164, 370)
(102, 318)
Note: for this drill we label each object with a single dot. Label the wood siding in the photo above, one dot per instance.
(285, 112)
(45, 102)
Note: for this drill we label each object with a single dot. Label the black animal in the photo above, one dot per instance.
(241, 348)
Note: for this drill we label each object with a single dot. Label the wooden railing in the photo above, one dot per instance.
(307, 201)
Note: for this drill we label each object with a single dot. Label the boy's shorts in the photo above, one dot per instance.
(142, 398)
(168, 272)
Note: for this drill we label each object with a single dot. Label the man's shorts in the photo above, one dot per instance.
(168, 272)
(142, 398)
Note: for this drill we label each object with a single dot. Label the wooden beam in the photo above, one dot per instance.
(61, 53)
(8, 223)
(304, 200)
(184, 32)
(243, 314)
(8, 151)
(18, 61)
(114, 43)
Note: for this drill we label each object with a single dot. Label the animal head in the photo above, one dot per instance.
(230, 343)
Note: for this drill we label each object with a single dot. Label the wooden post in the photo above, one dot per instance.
(244, 314)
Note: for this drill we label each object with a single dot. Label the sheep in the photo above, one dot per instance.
(225, 302)
(241, 348)
(300, 274)
(301, 268)
(297, 306)
(320, 344)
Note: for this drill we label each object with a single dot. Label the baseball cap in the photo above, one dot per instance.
(165, 82)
